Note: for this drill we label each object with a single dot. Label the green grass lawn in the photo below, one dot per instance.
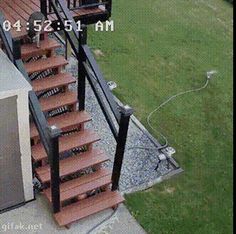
(160, 48)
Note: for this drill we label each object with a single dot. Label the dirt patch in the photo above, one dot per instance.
(168, 190)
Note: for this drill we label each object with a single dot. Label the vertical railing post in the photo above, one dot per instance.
(81, 70)
(54, 134)
(68, 51)
(16, 49)
(126, 112)
(43, 7)
(109, 7)
(49, 6)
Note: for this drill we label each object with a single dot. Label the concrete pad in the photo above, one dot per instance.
(36, 217)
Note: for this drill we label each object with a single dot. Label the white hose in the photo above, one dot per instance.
(150, 125)
(168, 100)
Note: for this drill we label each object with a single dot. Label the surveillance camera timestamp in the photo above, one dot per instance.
(42, 26)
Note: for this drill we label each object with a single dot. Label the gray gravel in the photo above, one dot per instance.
(139, 164)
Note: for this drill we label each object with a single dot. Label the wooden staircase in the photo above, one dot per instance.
(84, 183)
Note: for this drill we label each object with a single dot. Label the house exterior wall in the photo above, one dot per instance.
(11, 182)
(12, 83)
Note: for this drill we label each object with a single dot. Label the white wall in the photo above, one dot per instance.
(12, 83)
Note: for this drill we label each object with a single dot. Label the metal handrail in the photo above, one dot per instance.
(63, 14)
(72, 6)
(48, 135)
(101, 81)
(102, 104)
(88, 68)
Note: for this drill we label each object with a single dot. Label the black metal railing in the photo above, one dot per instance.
(82, 4)
(121, 114)
(48, 134)
(73, 5)
(88, 68)
(6, 39)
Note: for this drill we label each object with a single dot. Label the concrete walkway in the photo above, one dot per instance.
(36, 217)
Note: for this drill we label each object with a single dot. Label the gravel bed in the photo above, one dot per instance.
(138, 169)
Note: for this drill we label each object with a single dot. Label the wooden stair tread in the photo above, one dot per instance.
(87, 11)
(86, 207)
(73, 164)
(66, 143)
(45, 64)
(57, 101)
(19, 34)
(64, 121)
(29, 50)
(82, 185)
(52, 82)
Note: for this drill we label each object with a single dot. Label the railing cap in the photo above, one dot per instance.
(126, 110)
(54, 131)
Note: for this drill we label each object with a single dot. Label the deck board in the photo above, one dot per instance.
(15, 10)
(24, 6)
(14, 14)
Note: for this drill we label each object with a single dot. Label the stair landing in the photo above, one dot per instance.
(15, 10)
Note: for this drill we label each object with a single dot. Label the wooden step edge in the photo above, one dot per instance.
(83, 117)
(73, 164)
(44, 177)
(87, 207)
(38, 152)
(54, 102)
(52, 82)
(45, 64)
(82, 185)
(46, 45)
